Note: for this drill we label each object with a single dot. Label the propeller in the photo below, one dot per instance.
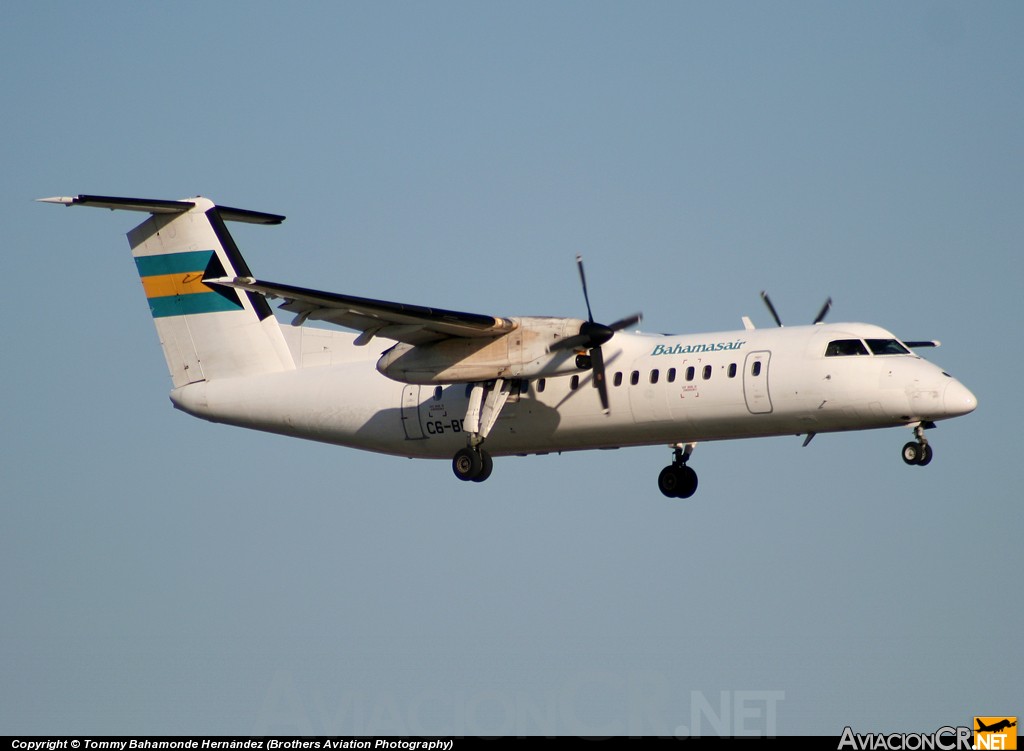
(778, 321)
(823, 312)
(771, 308)
(592, 335)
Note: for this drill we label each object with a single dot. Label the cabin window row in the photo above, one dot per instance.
(654, 376)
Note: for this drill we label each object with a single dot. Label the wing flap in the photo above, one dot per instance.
(412, 324)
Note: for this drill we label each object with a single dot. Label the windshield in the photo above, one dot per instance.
(845, 347)
(887, 347)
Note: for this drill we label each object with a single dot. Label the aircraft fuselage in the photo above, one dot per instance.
(662, 390)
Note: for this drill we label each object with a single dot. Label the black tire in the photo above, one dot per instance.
(926, 456)
(467, 464)
(677, 481)
(687, 482)
(486, 466)
(668, 482)
(912, 453)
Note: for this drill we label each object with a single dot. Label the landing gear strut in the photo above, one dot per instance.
(485, 403)
(918, 453)
(678, 480)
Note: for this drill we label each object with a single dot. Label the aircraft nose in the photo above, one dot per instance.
(958, 400)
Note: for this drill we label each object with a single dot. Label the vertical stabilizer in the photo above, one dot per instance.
(207, 332)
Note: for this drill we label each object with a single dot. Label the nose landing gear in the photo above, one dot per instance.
(678, 480)
(918, 453)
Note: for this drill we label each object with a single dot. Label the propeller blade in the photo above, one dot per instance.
(583, 280)
(591, 336)
(597, 369)
(824, 311)
(771, 308)
(625, 323)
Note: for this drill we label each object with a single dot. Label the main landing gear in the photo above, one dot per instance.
(678, 480)
(485, 403)
(918, 453)
(472, 464)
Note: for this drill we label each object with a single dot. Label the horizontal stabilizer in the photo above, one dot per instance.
(159, 206)
(229, 214)
(150, 205)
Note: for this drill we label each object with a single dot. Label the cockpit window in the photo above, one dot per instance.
(845, 347)
(887, 347)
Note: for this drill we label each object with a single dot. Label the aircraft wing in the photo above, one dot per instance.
(412, 324)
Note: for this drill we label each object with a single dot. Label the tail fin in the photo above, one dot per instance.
(206, 332)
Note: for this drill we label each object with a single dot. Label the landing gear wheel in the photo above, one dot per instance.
(486, 466)
(688, 484)
(917, 454)
(912, 452)
(467, 464)
(677, 481)
(668, 481)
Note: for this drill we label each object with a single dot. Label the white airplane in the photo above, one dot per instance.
(429, 383)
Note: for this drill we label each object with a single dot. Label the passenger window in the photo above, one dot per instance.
(755, 369)
(541, 384)
(654, 376)
(671, 375)
(707, 372)
(845, 348)
(689, 373)
(634, 377)
(574, 383)
(732, 370)
(618, 378)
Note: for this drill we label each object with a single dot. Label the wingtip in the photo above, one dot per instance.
(62, 200)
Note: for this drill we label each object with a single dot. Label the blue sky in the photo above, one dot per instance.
(164, 575)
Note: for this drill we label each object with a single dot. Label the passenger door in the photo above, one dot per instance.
(411, 412)
(755, 383)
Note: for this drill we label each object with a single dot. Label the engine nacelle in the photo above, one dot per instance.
(521, 353)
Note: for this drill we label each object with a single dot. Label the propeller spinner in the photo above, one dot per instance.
(592, 335)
